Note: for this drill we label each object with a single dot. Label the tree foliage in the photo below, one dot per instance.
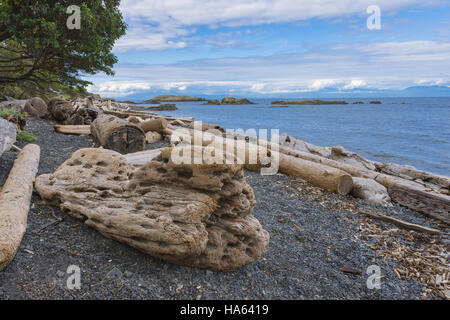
(38, 51)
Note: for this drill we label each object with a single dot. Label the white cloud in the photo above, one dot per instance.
(157, 24)
(357, 83)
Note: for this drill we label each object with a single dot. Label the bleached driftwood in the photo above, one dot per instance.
(195, 215)
(157, 125)
(72, 129)
(15, 198)
(370, 190)
(152, 137)
(400, 223)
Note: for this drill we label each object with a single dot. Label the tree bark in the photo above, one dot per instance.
(116, 134)
(15, 199)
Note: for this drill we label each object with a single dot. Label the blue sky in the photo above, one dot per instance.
(277, 47)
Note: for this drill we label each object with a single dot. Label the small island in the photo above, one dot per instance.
(229, 100)
(309, 102)
(172, 98)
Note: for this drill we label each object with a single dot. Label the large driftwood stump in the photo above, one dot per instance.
(15, 199)
(194, 215)
(116, 134)
(60, 109)
(7, 135)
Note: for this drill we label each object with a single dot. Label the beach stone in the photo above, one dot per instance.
(198, 215)
(7, 135)
(36, 107)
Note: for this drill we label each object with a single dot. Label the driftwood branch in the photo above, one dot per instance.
(400, 223)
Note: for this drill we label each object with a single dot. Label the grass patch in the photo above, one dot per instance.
(7, 113)
(26, 137)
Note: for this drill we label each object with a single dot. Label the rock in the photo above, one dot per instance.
(196, 215)
(370, 190)
(36, 107)
(128, 274)
(7, 135)
(212, 102)
(375, 102)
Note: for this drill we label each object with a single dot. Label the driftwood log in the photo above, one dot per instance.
(117, 134)
(73, 129)
(15, 198)
(156, 125)
(251, 155)
(370, 190)
(400, 223)
(194, 215)
(325, 177)
(7, 135)
(152, 137)
(405, 192)
(432, 204)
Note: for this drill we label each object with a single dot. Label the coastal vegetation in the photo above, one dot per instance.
(39, 54)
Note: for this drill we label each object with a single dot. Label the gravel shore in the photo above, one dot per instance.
(314, 236)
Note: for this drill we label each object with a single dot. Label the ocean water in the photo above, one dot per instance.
(414, 131)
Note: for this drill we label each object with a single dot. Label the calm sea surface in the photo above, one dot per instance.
(415, 133)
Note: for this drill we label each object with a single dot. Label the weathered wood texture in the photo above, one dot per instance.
(195, 215)
(325, 177)
(15, 198)
(432, 204)
(117, 134)
(157, 125)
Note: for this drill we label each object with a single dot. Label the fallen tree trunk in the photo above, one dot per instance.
(432, 204)
(15, 199)
(69, 129)
(116, 134)
(157, 125)
(325, 177)
(7, 135)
